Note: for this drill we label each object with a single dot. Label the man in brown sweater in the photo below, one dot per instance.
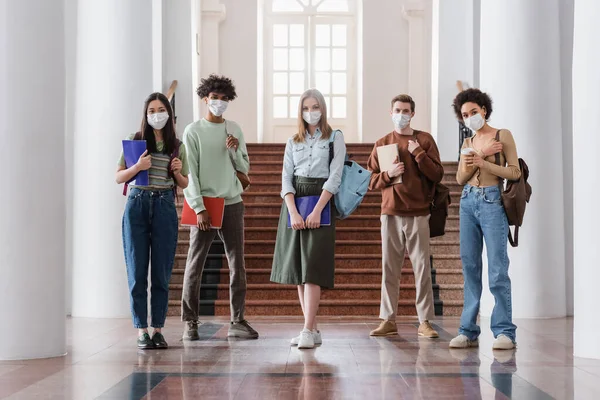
(405, 215)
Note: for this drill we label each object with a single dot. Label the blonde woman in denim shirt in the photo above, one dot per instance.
(482, 217)
(305, 254)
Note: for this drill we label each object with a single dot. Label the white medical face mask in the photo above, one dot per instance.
(158, 120)
(217, 107)
(401, 121)
(311, 117)
(475, 123)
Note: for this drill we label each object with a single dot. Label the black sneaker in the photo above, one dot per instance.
(144, 342)
(190, 331)
(242, 330)
(159, 341)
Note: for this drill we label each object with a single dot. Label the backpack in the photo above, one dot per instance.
(175, 154)
(354, 185)
(440, 201)
(515, 197)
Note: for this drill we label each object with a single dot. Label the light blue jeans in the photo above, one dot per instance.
(482, 217)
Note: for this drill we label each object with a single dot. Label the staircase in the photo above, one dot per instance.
(358, 253)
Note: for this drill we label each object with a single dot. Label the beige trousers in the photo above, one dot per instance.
(412, 234)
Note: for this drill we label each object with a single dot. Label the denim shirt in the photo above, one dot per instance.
(311, 159)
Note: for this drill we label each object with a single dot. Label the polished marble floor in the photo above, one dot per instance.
(104, 363)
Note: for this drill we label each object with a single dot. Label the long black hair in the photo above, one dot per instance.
(147, 132)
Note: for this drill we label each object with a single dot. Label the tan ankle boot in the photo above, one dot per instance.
(426, 330)
(386, 328)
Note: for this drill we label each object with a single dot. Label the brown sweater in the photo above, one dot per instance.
(412, 197)
(491, 173)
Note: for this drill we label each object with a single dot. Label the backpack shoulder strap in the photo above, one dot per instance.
(497, 155)
(331, 141)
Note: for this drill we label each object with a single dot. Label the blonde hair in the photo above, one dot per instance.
(303, 126)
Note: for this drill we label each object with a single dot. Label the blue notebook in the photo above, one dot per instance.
(306, 205)
(132, 150)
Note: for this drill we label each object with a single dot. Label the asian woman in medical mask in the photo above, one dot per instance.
(150, 222)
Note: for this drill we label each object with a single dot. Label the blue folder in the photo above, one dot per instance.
(132, 150)
(306, 205)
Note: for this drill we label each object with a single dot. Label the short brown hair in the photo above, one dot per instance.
(404, 98)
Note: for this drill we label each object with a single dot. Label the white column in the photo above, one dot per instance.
(586, 173)
(32, 227)
(213, 13)
(453, 58)
(520, 69)
(418, 75)
(114, 76)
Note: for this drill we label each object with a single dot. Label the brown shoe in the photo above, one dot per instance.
(427, 331)
(386, 328)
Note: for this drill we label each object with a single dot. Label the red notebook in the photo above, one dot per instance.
(215, 207)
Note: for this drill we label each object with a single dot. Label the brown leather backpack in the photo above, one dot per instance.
(515, 197)
(440, 201)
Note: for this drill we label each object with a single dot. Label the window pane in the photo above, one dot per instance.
(322, 33)
(280, 83)
(338, 59)
(286, 6)
(339, 83)
(323, 82)
(280, 107)
(333, 6)
(296, 35)
(323, 60)
(294, 100)
(339, 35)
(297, 59)
(339, 107)
(280, 59)
(328, 105)
(280, 35)
(297, 82)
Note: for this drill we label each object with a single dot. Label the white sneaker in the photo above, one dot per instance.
(503, 342)
(316, 337)
(307, 340)
(463, 342)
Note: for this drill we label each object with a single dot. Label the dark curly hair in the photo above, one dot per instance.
(216, 84)
(472, 96)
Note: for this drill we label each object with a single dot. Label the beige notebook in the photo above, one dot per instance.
(387, 155)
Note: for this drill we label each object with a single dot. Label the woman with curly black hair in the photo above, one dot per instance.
(216, 152)
(487, 158)
(150, 222)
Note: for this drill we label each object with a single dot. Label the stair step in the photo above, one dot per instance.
(326, 307)
(342, 275)
(355, 221)
(274, 291)
(274, 185)
(372, 210)
(354, 261)
(341, 246)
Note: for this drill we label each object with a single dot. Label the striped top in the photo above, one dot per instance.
(158, 173)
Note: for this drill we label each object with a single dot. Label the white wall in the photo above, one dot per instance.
(453, 59)
(177, 57)
(238, 61)
(385, 65)
(71, 72)
(566, 55)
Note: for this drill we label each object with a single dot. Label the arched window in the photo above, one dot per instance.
(309, 44)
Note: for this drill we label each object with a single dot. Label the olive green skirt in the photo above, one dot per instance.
(308, 255)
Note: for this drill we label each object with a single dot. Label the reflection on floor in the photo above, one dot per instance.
(104, 363)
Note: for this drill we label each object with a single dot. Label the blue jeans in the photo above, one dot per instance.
(150, 228)
(482, 217)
